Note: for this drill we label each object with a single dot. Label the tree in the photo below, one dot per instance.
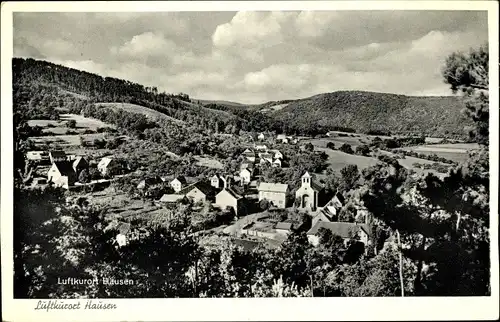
(363, 149)
(468, 73)
(350, 176)
(330, 145)
(71, 124)
(264, 204)
(309, 147)
(84, 176)
(346, 148)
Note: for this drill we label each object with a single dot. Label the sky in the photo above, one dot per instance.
(257, 56)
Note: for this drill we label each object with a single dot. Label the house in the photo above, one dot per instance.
(80, 164)
(200, 191)
(330, 210)
(276, 163)
(276, 154)
(284, 228)
(104, 165)
(57, 156)
(266, 158)
(216, 181)
(261, 136)
(308, 195)
(178, 183)
(171, 198)
(346, 230)
(261, 147)
(62, 174)
(275, 193)
(246, 175)
(148, 182)
(37, 156)
(282, 138)
(249, 155)
(229, 198)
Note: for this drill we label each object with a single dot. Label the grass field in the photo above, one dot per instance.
(452, 151)
(66, 140)
(337, 159)
(133, 108)
(208, 162)
(59, 127)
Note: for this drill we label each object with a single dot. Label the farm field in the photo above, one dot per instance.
(338, 141)
(133, 108)
(66, 141)
(59, 127)
(337, 159)
(209, 162)
(452, 151)
(120, 205)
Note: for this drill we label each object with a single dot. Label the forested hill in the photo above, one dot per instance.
(348, 110)
(35, 76)
(365, 111)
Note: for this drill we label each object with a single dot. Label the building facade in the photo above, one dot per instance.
(275, 193)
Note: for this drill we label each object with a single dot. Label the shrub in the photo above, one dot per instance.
(363, 150)
(330, 145)
(71, 124)
(346, 148)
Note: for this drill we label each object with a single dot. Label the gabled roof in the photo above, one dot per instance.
(105, 161)
(275, 187)
(284, 225)
(246, 166)
(342, 229)
(203, 186)
(65, 168)
(181, 179)
(249, 152)
(79, 160)
(58, 154)
(149, 181)
(340, 197)
(232, 193)
(171, 197)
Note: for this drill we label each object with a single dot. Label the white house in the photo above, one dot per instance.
(275, 193)
(62, 174)
(245, 175)
(103, 165)
(261, 136)
(276, 154)
(178, 183)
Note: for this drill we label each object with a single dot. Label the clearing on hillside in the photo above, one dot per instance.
(133, 108)
(457, 152)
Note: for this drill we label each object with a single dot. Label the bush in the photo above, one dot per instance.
(346, 148)
(363, 150)
(330, 145)
(71, 124)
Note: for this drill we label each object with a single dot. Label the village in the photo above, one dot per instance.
(260, 211)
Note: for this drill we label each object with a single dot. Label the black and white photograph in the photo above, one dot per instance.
(249, 154)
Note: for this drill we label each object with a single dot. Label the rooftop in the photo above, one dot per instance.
(342, 229)
(276, 187)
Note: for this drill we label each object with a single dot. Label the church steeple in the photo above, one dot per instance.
(306, 179)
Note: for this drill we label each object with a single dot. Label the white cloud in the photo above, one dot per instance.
(146, 44)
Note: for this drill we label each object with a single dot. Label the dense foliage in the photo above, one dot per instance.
(378, 113)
